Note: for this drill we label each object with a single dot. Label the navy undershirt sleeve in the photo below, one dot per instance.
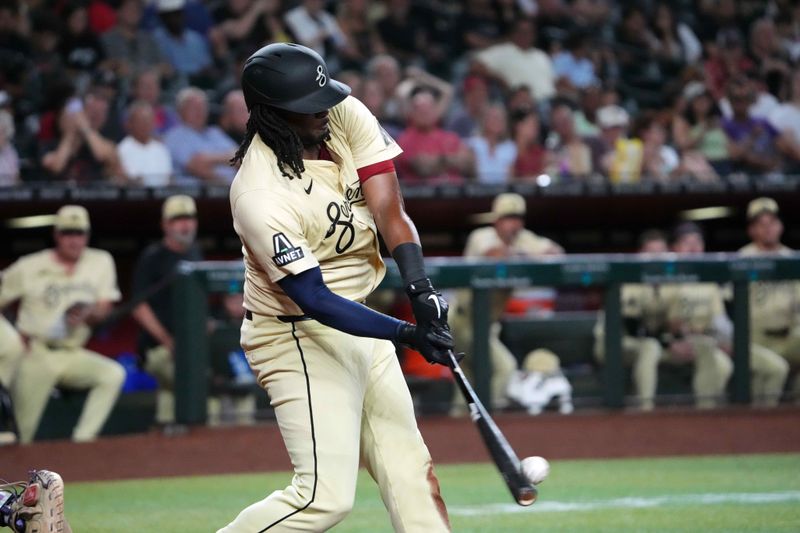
(309, 291)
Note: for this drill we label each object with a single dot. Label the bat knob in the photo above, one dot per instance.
(527, 496)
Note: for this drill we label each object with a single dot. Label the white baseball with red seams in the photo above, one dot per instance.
(535, 469)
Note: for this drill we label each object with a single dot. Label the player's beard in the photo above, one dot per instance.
(310, 141)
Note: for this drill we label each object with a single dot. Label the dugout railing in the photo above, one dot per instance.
(197, 280)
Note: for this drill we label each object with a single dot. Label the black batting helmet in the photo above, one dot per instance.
(291, 77)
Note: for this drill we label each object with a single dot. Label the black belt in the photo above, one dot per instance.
(783, 332)
(248, 315)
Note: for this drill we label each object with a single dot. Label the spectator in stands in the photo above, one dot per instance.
(674, 42)
(786, 120)
(129, 48)
(641, 74)
(752, 141)
(774, 305)
(660, 162)
(764, 49)
(619, 158)
(372, 96)
(186, 50)
(81, 50)
(12, 38)
(475, 99)
(494, 153)
(246, 25)
(62, 292)
(431, 154)
(573, 66)
(145, 160)
(233, 119)
(80, 154)
(590, 100)
(531, 155)
(147, 88)
(200, 153)
(195, 13)
(102, 16)
(418, 79)
(520, 99)
(484, 23)
(698, 128)
(506, 238)
(355, 20)
(788, 27)
(385, 70)
(403, 31)
(569, 156)
(106, 85)
(156, 267)
(643, 326)
(317, 29)
(517, 62)
(726, 60)
(9, 160)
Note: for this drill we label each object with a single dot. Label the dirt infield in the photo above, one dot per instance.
(253, 449)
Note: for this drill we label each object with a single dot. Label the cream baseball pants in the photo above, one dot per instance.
(338, 399)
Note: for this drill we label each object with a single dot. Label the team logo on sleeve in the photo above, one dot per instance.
(285, 251)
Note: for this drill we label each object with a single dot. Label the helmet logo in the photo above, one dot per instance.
(321, 77)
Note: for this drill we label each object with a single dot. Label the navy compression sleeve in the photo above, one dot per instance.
(309, 291)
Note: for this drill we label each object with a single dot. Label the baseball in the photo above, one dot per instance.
(535, 469)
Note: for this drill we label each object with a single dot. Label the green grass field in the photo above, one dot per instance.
(721, 493)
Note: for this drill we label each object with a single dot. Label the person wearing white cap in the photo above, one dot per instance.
(185, 49)
(774, 305)
(505, 238)
(62, 292)
(156, 345)
(621, 157)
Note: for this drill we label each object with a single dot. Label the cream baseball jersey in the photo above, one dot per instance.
(774, 305)
(288, 226)
(644, 302)
(46, 289)
(693, 304)
(526, 243)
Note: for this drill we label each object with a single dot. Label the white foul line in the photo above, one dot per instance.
(629, 503)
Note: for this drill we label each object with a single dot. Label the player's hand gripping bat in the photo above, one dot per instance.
(502, 454)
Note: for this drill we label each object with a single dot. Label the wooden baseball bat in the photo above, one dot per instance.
(502, 453)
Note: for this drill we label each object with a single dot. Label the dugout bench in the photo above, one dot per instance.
(610, 271)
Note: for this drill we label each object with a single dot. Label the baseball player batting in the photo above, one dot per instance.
(316, 185)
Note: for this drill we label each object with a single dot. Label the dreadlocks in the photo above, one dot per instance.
(275, 133)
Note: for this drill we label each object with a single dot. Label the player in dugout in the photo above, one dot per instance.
(315, 188)
(774, 305)
(154, 271)
(62, 292)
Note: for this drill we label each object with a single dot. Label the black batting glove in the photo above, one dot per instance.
(427, 304)
(433, 342)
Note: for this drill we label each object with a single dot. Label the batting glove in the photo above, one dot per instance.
(433, 342)
(427, 303)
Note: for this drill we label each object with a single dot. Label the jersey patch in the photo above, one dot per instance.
(285, 251)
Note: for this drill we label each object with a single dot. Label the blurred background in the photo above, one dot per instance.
(608, 118)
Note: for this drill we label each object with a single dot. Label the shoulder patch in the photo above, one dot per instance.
(285, 251)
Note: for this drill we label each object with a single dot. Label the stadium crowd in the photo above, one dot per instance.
(146, 92)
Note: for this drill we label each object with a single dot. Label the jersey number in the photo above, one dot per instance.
(344, 220)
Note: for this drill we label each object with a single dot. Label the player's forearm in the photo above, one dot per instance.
(146, 318)
(99, 312)
(309, 291)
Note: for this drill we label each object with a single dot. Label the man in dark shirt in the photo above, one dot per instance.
(156, 264)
